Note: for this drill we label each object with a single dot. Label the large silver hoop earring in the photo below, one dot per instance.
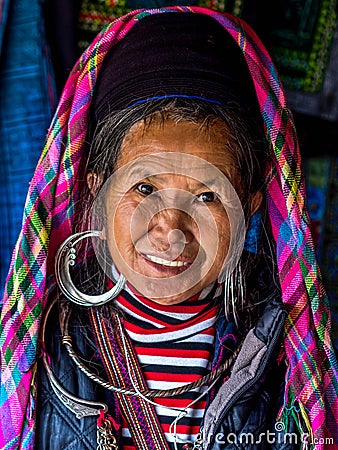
(233, 293)
(65, 257)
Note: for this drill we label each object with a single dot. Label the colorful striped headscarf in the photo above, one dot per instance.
(312, 382)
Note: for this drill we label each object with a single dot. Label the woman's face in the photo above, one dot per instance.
(168, 211)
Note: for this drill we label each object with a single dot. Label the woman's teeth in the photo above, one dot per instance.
(165, 262)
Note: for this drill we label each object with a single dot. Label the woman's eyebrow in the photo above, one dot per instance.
(197, 183)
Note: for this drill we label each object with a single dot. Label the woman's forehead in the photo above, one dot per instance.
(211, 145)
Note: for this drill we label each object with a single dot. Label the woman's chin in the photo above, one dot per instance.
(168, 301)
(152, 288)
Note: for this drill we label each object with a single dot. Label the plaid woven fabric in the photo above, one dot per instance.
(312, 367)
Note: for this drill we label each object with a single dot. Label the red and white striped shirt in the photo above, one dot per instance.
(174, 345)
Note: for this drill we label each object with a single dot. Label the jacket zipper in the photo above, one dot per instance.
(249, 383)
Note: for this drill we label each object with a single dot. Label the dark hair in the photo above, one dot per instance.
(247, 143)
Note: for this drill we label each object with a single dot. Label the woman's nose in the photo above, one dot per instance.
(170, 227)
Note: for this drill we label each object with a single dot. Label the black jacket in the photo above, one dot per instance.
(241, 416)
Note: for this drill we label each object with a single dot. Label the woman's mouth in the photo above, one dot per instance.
(165, 265)
(166, 262)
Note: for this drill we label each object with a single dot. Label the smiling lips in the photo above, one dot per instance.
(166, 262)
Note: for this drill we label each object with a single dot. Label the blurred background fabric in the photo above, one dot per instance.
(27, 102)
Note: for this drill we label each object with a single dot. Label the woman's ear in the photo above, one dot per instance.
(94, 182)
(255, 202)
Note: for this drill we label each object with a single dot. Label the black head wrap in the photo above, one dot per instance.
(173, 55)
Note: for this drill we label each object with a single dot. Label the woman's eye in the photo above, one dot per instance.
(145, 188)
(207, 197)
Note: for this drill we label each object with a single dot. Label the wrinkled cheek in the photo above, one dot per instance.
(219, 256)
(118, 231)
(226, 235)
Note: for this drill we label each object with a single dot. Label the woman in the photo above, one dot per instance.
(167, 249)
